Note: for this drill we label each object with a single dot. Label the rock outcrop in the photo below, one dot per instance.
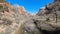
(11, 21)
(22, 9)
(49, 18)
(15, 19)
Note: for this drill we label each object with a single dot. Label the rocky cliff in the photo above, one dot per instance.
(49, 18)
(15, 19)
(12, 18)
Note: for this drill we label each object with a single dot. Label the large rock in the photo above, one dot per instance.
(11, 21)
(49, 17)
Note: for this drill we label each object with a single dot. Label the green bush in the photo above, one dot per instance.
(3, 7)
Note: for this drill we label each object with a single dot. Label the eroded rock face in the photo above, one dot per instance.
(31, 28)
(15, 20)
(11, 20)
(6, 23)
(23, 11)
(50, 8)
(49, 18)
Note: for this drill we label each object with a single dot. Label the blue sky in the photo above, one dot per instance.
(32, 6)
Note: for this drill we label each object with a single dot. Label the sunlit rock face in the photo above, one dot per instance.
(22, 9)
(6, 23)
(10, 19)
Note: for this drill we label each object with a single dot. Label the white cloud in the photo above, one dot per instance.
(42, 7)
(17, 5)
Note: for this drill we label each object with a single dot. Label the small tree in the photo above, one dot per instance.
(3, 8)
